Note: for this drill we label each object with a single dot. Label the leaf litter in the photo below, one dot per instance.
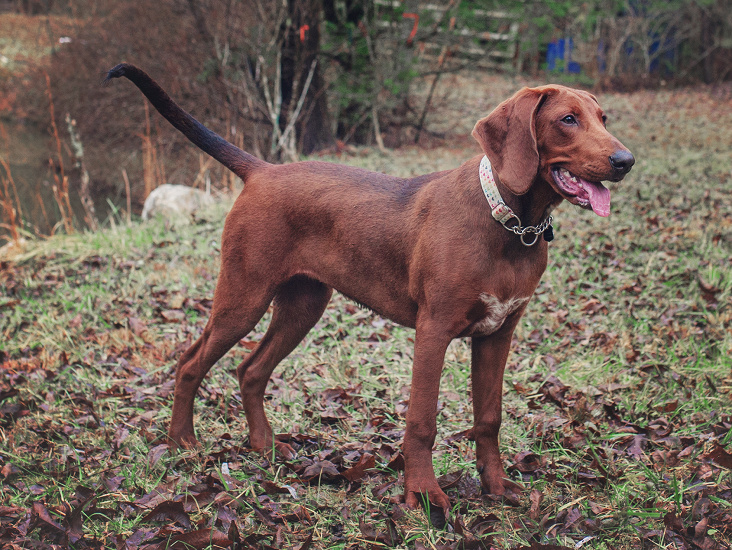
(617, 424)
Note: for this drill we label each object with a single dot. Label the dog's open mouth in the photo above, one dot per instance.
(587, 194)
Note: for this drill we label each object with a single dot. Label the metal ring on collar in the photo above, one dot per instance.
(517, 229)
(532, 243)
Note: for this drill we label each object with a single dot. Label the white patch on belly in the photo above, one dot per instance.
(497, 312)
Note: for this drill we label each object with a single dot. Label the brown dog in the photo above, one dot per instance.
(430, 253)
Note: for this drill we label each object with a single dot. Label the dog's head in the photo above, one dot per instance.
(557, 134)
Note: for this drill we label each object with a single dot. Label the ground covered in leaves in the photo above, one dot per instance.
(617, 411)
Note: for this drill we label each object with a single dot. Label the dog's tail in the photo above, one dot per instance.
(238, 161)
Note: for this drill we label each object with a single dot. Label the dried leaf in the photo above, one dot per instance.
(169, 511)
(396, 463)
(40, 511)
(51, 530)
(720, 456)
(636, 448)
(669, 407)
(526, 462)
(271, 488)
(173, 315)
(137, 326)
(460, 436)
(321, 468)
(203, 538)
(535, 498)
(156, 453)
(390, 537)
(700, 529)
(9, 469)
(673, 523)
(306, 544)
(709, 291)
(74, 519)
(358, 470)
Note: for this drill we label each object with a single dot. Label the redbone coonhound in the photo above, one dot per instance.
(452, 254)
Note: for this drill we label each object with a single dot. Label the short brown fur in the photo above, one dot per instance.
(423, 252)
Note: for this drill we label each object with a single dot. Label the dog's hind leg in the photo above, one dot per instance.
(236, 311)
(297, 306)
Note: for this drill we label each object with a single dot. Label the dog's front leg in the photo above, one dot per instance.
(419, 476)
(489, 354)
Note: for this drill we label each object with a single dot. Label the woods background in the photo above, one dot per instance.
(282, 77)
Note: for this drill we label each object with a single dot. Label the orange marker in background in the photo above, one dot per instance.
(412, 34)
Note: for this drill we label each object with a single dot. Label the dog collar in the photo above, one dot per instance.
(503, 214)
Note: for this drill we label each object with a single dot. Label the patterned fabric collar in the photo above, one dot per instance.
(503, 213)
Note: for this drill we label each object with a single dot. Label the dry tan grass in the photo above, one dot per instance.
(26, 39)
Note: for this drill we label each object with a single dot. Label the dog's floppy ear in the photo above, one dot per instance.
(508, 138)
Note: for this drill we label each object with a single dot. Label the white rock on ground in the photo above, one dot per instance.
(174, 202)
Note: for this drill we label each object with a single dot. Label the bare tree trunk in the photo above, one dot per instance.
(300, 49)
(84, 189)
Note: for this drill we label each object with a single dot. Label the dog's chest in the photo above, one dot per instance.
(496, 313)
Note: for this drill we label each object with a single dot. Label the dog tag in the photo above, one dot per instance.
(549, 234)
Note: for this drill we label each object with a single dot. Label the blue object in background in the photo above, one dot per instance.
(555, 51)
(663, 63)
(601, 64)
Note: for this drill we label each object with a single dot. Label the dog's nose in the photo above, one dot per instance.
(622, 161)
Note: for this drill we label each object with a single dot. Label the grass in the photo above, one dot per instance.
(618, 382)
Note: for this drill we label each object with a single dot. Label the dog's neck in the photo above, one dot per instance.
(536, 204)
(530, 210)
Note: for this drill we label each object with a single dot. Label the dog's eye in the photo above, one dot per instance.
(569, 119)
(604, 121)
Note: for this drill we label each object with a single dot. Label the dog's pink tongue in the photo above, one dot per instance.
(599, 198)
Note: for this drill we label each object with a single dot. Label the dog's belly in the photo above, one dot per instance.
(497, 311)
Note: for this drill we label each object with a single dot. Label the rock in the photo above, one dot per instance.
(174, 202)
(13, 248)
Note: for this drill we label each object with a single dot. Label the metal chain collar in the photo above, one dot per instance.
(503, 213)
(535, 229)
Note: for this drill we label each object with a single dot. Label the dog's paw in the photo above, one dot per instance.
(276, 448)
(501, 488)
(285, 450)
(187, 441)
(433, 499)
